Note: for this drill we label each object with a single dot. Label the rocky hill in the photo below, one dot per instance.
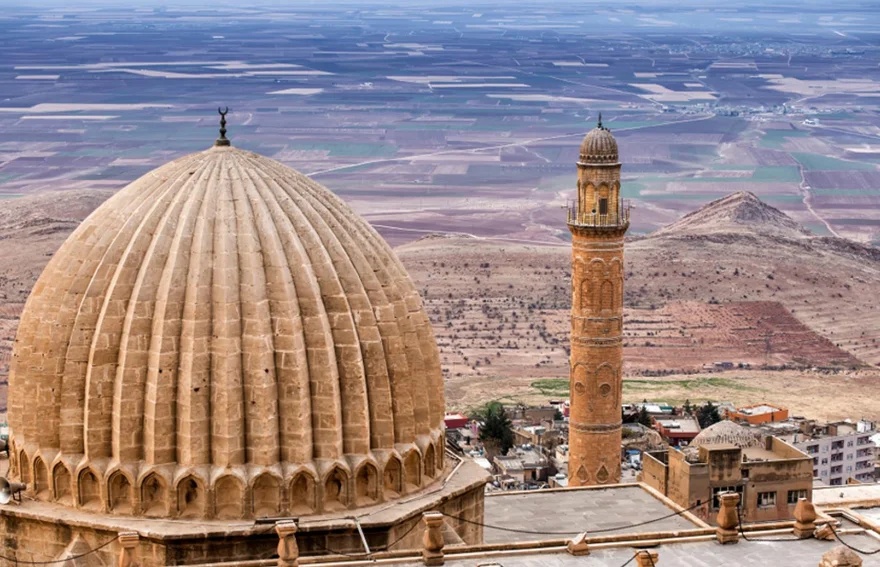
(738, 212)
(736, 249)
(736, 280)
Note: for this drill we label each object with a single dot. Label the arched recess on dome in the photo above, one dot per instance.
(412, 468)
(335, 490)
(119, 493)
(228, 498)
(266, 496)
(302, 494)
(606, 296)
(429, 466)
(392, 478)
(154, 495)
(24, 467)
(89, 490)
(41, 480)
(191, 498)
(441, 454)
(366, 485)
(61, 482)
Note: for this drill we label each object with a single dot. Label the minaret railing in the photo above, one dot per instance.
(578, 218)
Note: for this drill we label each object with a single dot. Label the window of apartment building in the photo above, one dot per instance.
(836, 481)
(812, 449)
(766, 499)
(848, 469)
(719, 490)
(849, 456)
(824, 461)
(815, 473)
(825, 449)
(849, 443)
(824, 473)
(795, 495)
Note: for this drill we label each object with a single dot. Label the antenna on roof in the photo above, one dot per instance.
(599, 126)
(222, 140)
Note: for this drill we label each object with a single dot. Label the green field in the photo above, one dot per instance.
(775, 138)
(560, 386)
(816, 162)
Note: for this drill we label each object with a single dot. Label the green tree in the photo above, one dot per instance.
(497, 430)
(644, 418)
(708, 415)
(688, 408)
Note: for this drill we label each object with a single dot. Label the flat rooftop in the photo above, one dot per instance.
(803, 553)
(576, 510)
(758, 410)
(681, 424)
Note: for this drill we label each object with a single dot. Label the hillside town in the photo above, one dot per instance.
(655, 433)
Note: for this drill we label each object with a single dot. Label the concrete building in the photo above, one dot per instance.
(598, 222)
(841, 452)
(757, 414)
(525, 464)
(677, 430)
(769, 474)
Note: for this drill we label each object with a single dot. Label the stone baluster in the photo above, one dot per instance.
(840, 557)
(728, 519)
(432, 553)
(128, 553)
(577, 546)
(804, 519)
(288, 551)
(647, 558)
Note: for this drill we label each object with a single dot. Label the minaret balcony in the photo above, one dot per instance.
(619, 219)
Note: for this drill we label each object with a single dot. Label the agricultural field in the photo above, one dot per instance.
(461, 119)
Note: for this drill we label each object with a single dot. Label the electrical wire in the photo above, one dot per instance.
(364, 555)
(739, 525)
(600, 531)
(850, 547)
(17, 561)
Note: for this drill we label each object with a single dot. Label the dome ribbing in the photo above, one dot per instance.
(599, 146)
(225, 319)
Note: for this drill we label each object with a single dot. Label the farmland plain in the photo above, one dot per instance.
(463, 123)
(464, 118)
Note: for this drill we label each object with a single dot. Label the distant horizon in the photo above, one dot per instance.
(85, 4)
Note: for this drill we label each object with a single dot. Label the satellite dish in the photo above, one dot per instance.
(9, 490)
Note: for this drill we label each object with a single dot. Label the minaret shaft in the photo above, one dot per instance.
(598, 223)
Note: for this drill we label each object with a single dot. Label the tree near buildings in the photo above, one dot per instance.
(496, 434)
(644, 418)
(708, 415)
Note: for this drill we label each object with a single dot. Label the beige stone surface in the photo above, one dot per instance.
(225, 338)
(597, 223)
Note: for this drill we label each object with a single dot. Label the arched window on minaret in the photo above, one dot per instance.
(606, 296)
(586, 300)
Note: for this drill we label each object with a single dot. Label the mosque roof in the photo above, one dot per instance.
(726, 432)
(224, 316)
(599, 146)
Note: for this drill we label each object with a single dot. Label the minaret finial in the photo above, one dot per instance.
(600, 121)
(222, 140)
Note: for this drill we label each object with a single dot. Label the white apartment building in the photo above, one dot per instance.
(843, 451)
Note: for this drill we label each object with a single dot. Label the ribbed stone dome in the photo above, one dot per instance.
(224, 337)
(726, 432)
(599, 146)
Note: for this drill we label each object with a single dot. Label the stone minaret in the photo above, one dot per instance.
(598, 222)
